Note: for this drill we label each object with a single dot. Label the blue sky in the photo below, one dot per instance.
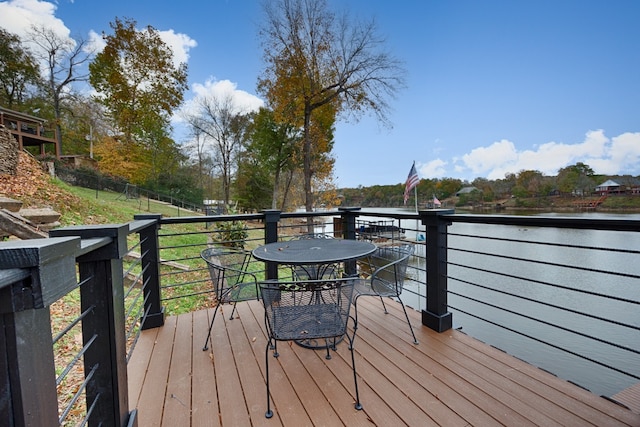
(493, 87)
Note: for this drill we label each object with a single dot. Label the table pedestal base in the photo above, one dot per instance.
(320, 344)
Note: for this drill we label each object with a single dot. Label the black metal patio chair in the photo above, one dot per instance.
(385, 269)
(304, 310)
(231, 281)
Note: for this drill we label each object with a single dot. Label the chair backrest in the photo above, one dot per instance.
(229, 275)
(312, 236)
(307, 309)
(389, 269)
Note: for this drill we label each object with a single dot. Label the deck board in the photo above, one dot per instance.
(139, 363)
(154, 396)
(449, 379)
(204, 397)
(177, 402)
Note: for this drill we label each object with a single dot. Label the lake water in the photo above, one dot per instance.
(599, 379)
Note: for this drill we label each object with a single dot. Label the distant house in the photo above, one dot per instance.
(466, 190)
(608, 187)
(30, 131)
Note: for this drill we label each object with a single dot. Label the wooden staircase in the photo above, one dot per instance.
(591, 203)
(25, 223)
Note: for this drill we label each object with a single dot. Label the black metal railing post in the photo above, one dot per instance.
(102, 295)
(271, 220)
(150, 252)
(28, 379)
(436, 316)
(349, 215)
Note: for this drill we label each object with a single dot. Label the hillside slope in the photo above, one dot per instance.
(37, 189)
(33, 186)
(77, 205)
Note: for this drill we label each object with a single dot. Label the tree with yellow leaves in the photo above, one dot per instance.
(320, 65)
(139, 86)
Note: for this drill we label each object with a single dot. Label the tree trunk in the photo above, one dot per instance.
(287, 187)
(308, 195)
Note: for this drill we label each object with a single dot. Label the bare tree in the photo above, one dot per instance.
(319, 64)
(218, 119)
(85, 123)
(196, 149)
(63, 59)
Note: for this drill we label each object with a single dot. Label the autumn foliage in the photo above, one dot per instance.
(32, 186)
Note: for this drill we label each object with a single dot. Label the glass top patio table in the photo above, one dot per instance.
(313, 251)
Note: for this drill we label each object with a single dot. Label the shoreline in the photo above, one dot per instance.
(556, 209)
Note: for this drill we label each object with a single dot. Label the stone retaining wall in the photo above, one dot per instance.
(8, 152)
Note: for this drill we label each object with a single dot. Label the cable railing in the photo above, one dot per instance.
(564, 299)
(185, 284)
(561, 293)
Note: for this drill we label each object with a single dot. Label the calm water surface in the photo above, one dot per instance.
(600, 380)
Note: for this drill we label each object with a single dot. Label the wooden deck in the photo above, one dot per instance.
(449, 379)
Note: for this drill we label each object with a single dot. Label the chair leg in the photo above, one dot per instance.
(357, 405)
(415, 340)
(384, 306)
(269, 412)
(233, 311)
(355, 321)
(206, 342)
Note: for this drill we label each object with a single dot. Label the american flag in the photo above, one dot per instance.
(412, 181)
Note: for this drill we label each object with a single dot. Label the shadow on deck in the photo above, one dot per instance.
(449, 379)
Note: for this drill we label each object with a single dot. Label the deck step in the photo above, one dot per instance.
(629, 397)
(40, 215)
(10, 204)
(14, 224)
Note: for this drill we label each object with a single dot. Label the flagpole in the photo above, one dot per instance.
(415, 192)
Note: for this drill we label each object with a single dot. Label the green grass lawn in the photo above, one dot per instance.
(110, 207)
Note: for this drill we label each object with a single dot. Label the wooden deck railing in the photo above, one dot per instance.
(31, 133)
(35, 274)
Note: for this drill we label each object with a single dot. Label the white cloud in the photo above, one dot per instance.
(179, 43)
(483, 159)
(19, 16)
(618, 155)
(622, 156)
(244, 101)
(95, 42)
(433, 169)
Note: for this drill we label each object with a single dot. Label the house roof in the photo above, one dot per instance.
(465, 190)
(18, 115)
(609, 183)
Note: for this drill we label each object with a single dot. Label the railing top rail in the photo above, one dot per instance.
(611, 224)
(8, 277)
(210, 218)
(257, 216)
(89, 245)
(137, 225)
(394, 215)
